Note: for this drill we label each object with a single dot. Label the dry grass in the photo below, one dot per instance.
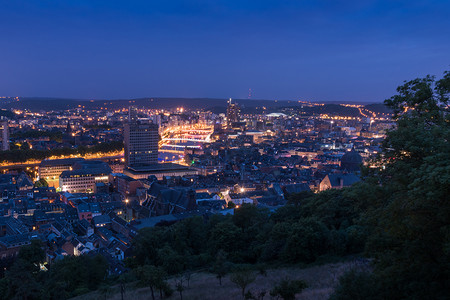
(321, 281)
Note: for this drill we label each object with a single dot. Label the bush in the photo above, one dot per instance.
(287, 289)
(356, 285)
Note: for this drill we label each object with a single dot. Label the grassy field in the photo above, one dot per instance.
(321, 281)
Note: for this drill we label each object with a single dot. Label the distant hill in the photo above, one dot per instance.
(334, 109)
(157, 103)
(378, 108)
(213, 104)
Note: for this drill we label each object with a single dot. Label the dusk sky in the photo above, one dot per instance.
(323, 50)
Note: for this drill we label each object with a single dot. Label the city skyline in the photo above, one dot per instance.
(327, 51)
(226, 149)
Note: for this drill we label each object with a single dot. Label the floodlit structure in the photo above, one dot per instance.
(141, 140)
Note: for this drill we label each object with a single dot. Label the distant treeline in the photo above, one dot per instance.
(7, 113)
(308, 228)
(25, 155)
(216, 105)
(53, 135)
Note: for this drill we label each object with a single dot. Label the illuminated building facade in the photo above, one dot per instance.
(232, 114)
(159, 171)
(141, 141)
(84, 176)
(4, 129)
(51, 169)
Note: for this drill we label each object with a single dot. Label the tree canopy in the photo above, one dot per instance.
(410, 225)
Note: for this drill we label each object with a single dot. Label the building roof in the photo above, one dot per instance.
(105, 233)
(154, 168)
(152, 221)
(296, 188)
(348, 179)
(102, 219)
(351, 161)
(87, 167)
(57, 162)
(86, 172)
(15, 240)
(95, 207)
(83, 207)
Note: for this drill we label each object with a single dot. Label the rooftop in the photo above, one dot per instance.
(158, 168)
(56, 162)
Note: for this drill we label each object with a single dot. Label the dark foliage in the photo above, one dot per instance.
(287, 289)
(66, 278)
(22, 155)
(410, 223)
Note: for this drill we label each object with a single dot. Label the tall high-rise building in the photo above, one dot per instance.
(232, 113)
(4, 128)
(133, 113)
(141, 141)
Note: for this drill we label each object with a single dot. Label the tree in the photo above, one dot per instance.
(297, 199)
(179, 286)
(187, 275)
(105, 290)
(122, 284)
(225, 236)
(25, 146)
(307, 239)
(421, 97)
(169, 260)
(33, 253)
(146, 245)
(76, 275)
(220, 267)
(242, 279)
(249, 215)
(41, 183)
(287, 289)
(356, 285)
(5, 289)
(411, 229)
(151, 276)
(22, 279)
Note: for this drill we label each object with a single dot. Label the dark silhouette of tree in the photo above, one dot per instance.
(242, 279)
(409, 224)
(220, 267)
(153, 277)
(105, 290)
(287, 289)
(179, 286)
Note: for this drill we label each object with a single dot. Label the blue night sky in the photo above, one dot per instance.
(327, 50)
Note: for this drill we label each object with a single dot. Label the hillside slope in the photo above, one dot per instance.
(321, 281)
